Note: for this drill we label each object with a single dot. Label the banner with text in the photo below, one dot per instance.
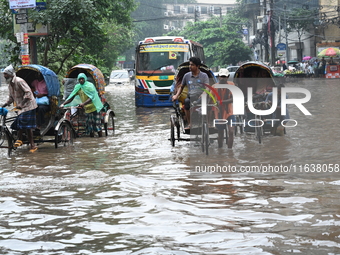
(19, 4)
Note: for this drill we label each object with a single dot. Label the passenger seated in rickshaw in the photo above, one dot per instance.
(41, 96)
(262, 83)
(194, 80)
(225, 111)
(257, 78)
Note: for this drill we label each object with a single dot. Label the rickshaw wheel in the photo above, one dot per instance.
(238, 126)
(172, 130)
(2, 136)
(110, 125)
(205, 138)
(258, 134)
(9, 144)
(226, 134)
(64, 135)
(220, 137)
(172, 135)
(178, 128)
(206, 132)
(241, 129)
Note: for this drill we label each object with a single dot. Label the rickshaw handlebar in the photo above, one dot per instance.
(70, 107)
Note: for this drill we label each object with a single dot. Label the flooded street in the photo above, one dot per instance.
(134, 193)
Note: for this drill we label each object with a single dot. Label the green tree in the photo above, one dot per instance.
(148, 19)
(221, 39)
(300, 21)
(10, 48)
(232, 51)
(79, 31)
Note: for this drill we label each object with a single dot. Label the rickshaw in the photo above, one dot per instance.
(202, 123)
(77, 115)
(247, 75)
(54, 129)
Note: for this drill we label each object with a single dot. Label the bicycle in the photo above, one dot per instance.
(6, 136)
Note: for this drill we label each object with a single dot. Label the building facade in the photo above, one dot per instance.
(178, 15)
(269, 20)
(268, 25)
(328, 26)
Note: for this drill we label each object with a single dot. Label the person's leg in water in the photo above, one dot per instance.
(30, 139)
(25, 122)
(29, 133)
(98, 123)
(88, 124)
(187, 112)
(231, 119)
(93, 123)
(19, 142)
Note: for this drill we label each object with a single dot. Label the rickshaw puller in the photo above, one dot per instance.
(195, 80)
(21, 94)
(90, 102)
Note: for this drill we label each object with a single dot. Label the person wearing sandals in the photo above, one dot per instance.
(22, 96)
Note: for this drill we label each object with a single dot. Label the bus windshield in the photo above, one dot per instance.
(161, 58)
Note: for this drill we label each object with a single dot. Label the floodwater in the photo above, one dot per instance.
(134, 194)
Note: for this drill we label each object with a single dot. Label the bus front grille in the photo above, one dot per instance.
(163, 91)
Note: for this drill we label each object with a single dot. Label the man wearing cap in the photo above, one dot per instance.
(227, 104)
(22, 96)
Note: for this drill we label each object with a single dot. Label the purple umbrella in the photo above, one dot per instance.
(307, 58)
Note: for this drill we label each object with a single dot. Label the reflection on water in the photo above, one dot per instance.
(134, 194)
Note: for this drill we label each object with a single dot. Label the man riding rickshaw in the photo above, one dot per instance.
(193, 85)
(44, 84)
(84, 93)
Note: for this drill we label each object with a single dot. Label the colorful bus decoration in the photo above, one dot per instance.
(157, 59)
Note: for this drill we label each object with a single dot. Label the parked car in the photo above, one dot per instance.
(232, 70)
(120, 77)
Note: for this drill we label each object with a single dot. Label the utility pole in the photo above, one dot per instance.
(33, 49)
(265, 34)
(279, 29)
(272, 35)
(286, 35)
(25, 57)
